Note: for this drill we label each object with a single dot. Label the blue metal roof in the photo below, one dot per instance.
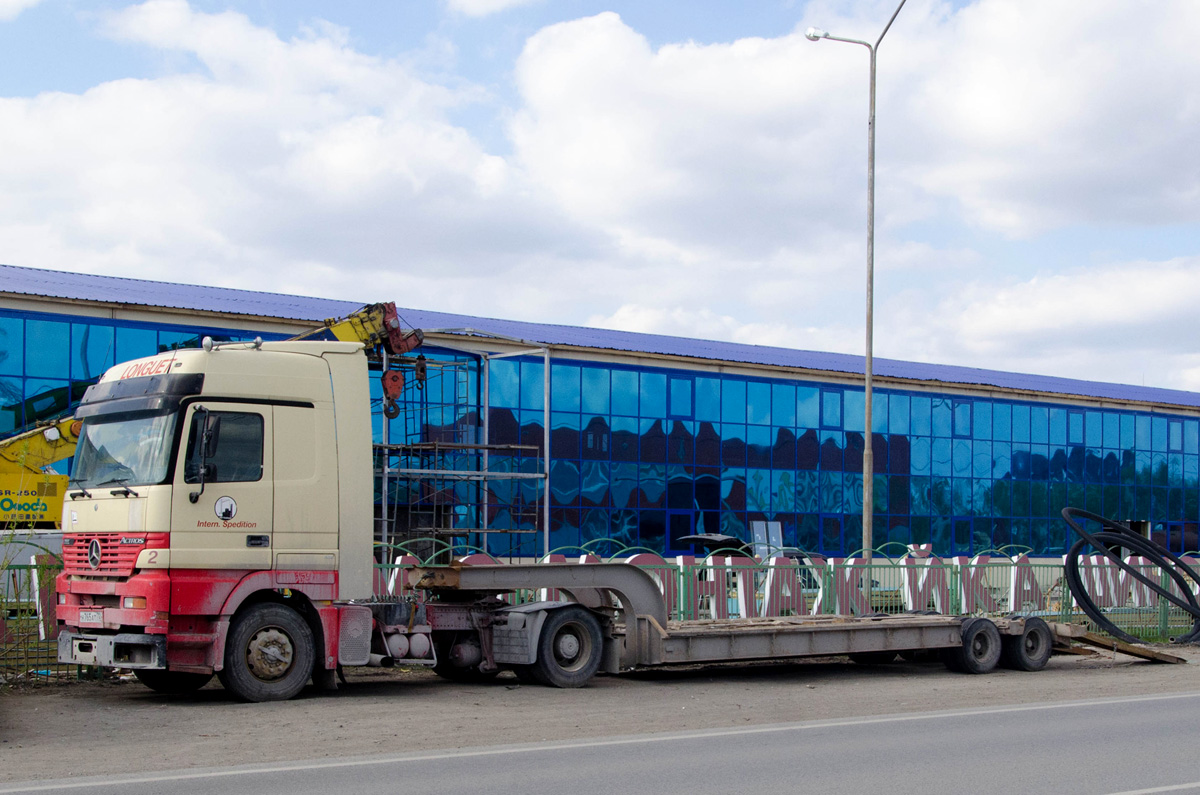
(112, 289)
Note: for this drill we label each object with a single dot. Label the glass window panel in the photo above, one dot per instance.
(1094, 429)
(733, 444)
(1175, 436)
(1039, 424)
(654, 395)
(942, 417)
(12, 346)
(1191, 436)
(1002, 422)
(624, 392)
(898, 414)
(854, 406)
(733, 400)
(52, 342)
(654, 440)
(503, 383)
(564, 387)
(708, 399)
(1143, 432)
(681, 397)
(12, 396)
(532, 385)
(783, 404)
(982, 420)
(758, 403)
(962, 418)
(808, 407)
(758, 490)
(831, 450)
(981, 455)
(174, 340)
(733, 489)
(1128, 435)
(624, 485)
(1075, 427)
(1058, 427)
(1001, 460)
(922, 420)
(759, 441)
(941, 457)
(920, 456)
(1159, 434)
(962, 457)
(1020, 423)
(652, 485)
(45, 398)
(879, 412)
(135, 343)
(808, 492)
(1112, 430)
(831, 408)
(594, 390)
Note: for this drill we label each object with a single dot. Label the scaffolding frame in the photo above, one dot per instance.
(446, 470)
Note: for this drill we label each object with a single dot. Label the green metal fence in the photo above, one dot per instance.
(28, 649)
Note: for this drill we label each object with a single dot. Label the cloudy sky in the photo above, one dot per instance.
(687, 167)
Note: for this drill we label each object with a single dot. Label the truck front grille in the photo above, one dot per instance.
(99, 554)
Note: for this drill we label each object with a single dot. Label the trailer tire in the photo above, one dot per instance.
(171, 683)
(1029, 651)
(569, 648)
(268, 654)
(980, 649)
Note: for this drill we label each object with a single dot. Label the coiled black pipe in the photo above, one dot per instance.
(1116, 534)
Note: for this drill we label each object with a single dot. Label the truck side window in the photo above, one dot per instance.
(237, 454)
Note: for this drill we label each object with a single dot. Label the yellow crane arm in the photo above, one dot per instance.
(39, 447)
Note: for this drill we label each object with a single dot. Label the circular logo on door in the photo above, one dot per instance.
(225, 508)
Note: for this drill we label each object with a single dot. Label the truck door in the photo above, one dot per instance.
(222, 501)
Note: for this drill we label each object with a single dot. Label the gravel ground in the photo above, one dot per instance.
(94, 728)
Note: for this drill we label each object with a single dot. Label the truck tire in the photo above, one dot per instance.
(980, 649)
(1029, 651)
(268, 654)
(569, 648)
(171, 683)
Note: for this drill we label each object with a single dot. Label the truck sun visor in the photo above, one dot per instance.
(147, 393)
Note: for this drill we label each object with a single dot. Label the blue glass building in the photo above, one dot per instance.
(647, 438)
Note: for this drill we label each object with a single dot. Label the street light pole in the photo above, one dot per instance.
(816, 34)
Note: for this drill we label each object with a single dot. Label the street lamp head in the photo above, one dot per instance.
(815, 34)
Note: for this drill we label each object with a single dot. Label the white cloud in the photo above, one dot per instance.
(1123, 320)
(482, 8)
(11, 9)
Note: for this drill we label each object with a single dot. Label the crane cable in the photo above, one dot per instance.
(1118, 535)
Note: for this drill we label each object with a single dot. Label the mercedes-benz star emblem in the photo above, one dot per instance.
(94, 553)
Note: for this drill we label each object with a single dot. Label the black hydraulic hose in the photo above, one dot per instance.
(1118, 535)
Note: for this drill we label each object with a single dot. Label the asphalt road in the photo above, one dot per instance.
(1141, 744)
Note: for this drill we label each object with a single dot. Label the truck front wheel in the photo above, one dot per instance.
(569, 648)
(268, 654)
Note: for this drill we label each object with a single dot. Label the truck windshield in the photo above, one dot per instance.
(124, 449)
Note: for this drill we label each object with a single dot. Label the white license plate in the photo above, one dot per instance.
(91, 617)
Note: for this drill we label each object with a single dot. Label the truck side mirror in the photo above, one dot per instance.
(207, 446)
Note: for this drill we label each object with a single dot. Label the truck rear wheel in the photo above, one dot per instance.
(569, 648)
(1029, 651)
(171, 682)
(268, 654)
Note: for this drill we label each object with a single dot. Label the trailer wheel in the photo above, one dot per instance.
(268, 654)
(171, 683)
(569, 648)
(1029, 651)
(980, 649)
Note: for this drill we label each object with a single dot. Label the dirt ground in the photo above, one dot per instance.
(93, 728)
